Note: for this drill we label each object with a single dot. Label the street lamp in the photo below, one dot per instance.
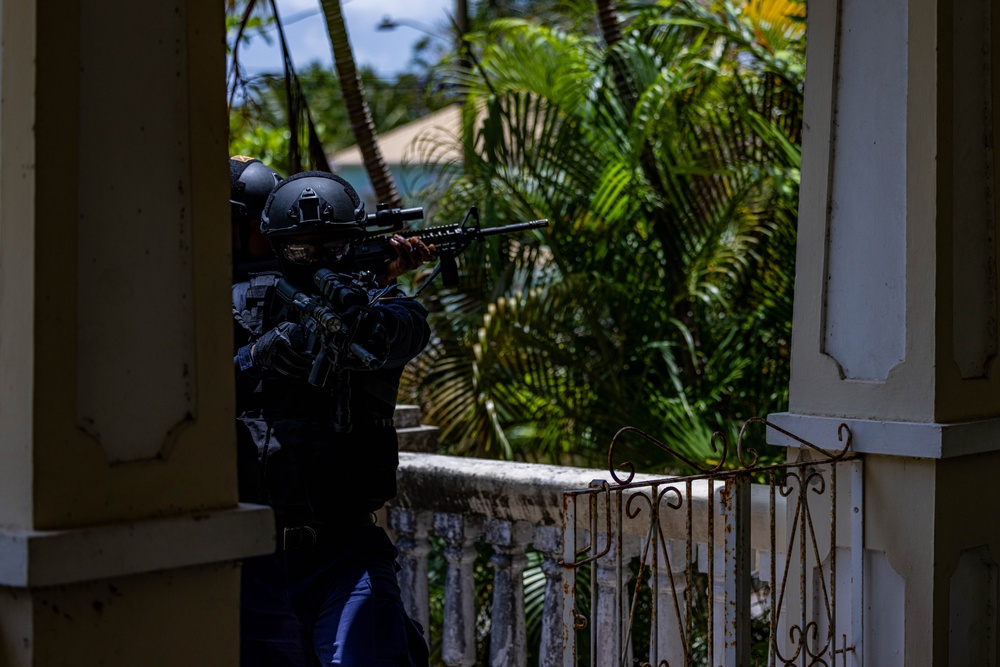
(390, 23)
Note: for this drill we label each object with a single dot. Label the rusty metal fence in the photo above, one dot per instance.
(741, 564)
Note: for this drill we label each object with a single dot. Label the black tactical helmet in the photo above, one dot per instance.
(251, 181)
(313, 203)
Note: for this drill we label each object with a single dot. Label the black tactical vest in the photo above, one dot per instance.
(291, 456)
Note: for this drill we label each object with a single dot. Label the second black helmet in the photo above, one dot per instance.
(250, 183)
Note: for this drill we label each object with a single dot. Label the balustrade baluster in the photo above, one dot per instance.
(716, 596)
(736, 510)
(604, 617)
(507, 631)
(548, 542)
(669, 592)
(607, 618)
(412, 529)
(458, 636)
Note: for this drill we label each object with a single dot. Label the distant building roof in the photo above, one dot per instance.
(432, 138)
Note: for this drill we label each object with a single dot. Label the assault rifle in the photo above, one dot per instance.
(339, 319)
(335, 320)
(374, 252)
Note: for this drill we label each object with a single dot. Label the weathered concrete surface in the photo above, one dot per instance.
(533, 492)
(496, 489)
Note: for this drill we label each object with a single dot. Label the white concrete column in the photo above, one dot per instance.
(896, 306)
(458, 636)
(508, 631)
(412, 530)
(612, 595)
(737, 565)
(119, 523)
(716, 565)
(669, 588)
(548, 541)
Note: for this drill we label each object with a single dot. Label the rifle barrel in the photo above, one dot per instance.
(515, 227)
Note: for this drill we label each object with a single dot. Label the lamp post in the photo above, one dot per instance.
(390, 23)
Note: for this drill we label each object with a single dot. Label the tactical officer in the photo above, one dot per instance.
(251, 181)
(322, 454)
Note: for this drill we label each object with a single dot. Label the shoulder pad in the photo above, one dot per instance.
(250, 299)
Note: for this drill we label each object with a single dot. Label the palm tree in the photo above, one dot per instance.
(241, 16)
(247, 13)
(660, 298)
(607, 14)
(357, 108)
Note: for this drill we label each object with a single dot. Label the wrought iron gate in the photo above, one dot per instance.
(741, 564)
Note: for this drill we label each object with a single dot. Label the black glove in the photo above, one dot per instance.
(377, 340)
(283, 350)
(371, 334)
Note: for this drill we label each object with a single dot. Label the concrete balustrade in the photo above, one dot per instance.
(515, 507)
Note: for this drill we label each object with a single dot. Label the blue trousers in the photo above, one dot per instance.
(332, 605)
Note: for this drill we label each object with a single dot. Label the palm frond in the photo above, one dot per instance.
(659, 297)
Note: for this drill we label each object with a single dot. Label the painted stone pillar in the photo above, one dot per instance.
(508, 641)
(120, 531)
(896, 308)
(458, 639)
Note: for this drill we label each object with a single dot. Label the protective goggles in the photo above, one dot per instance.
(311, 252)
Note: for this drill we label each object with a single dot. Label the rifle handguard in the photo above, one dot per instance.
(375, 252)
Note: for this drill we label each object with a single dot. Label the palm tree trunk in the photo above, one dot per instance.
(357, 108)
(461, 18)
(607, 13)
(611, 32)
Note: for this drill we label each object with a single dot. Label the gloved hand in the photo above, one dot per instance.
(371, 334)
(283, 350)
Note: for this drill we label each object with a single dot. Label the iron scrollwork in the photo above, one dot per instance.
(811, 637)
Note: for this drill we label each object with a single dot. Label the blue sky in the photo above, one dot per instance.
(388, 52)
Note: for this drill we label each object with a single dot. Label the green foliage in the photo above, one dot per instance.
(660, 295)
(568, 14)
(259, 127)
(259, 114)
(667, 164)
